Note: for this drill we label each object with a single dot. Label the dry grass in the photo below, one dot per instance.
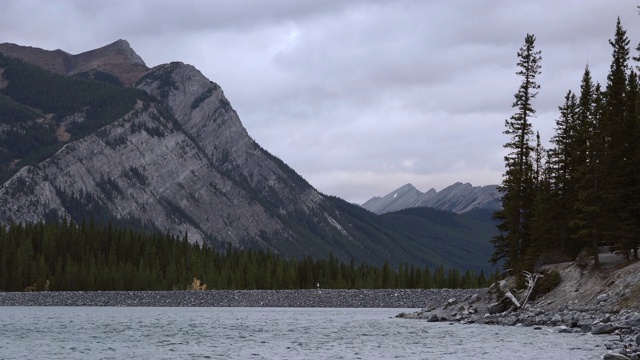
(197, 286)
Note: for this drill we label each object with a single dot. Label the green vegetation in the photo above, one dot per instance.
(35, 102)
(584, 192)
(63, 256)
(102, 102)
(13, 113)
(518, 186)
(549, 281)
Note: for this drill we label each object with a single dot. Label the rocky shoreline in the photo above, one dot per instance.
(623, 326)
(331, 298)
(595, 301)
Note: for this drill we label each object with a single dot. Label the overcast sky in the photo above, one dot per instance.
(359, 97)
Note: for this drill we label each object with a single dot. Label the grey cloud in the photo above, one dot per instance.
(360, 97)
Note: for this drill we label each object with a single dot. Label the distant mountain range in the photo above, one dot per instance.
(100, 136)
(459, 198)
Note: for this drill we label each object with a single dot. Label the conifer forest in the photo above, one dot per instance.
(66, 257)
(583, 192)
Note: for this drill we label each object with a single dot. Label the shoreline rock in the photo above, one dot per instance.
(602, 302)
(622, 328)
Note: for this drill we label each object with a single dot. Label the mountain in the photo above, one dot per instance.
(459, 198)
(117, 59)
(100, 136)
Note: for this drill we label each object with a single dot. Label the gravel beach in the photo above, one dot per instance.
(334, 298)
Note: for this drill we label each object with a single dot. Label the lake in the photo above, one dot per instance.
(269, 333)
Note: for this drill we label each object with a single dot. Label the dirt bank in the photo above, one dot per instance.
(612, 287)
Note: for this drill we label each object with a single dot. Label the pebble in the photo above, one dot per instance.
(332, 298)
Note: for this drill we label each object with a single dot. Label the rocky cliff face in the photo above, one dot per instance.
(182, 163)
(459, 198)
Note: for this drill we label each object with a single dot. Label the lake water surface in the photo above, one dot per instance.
(269, 333)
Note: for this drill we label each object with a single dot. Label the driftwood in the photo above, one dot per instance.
(513, 299)
(531, 283)
(507, 293)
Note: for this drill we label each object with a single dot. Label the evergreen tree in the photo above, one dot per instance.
(543, 231)
(637, 57)
(517, 188)
(631, 123)
(586, 223)
(562, 176)
(617, 167)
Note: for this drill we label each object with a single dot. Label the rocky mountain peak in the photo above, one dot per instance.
(403, 197)
(117, 59)
(53, 61)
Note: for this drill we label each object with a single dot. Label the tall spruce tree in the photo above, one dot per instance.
(517, 188)
(587, 215)
(616, 185)
(563, 178)
(631, 123)
(543, 229)
(637, 57)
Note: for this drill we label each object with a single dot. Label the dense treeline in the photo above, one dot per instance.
(584, 192)
(63, 256)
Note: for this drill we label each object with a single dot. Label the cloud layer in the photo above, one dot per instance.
(359, 97)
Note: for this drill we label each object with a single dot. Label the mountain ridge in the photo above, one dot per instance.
(458, 197)
(117, 58)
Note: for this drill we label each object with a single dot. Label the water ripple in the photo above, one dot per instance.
(267, 333)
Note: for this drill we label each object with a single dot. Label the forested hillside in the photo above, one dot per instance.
(43, 111)
(584, 191)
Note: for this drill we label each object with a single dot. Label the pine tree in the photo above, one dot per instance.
(517, 188)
